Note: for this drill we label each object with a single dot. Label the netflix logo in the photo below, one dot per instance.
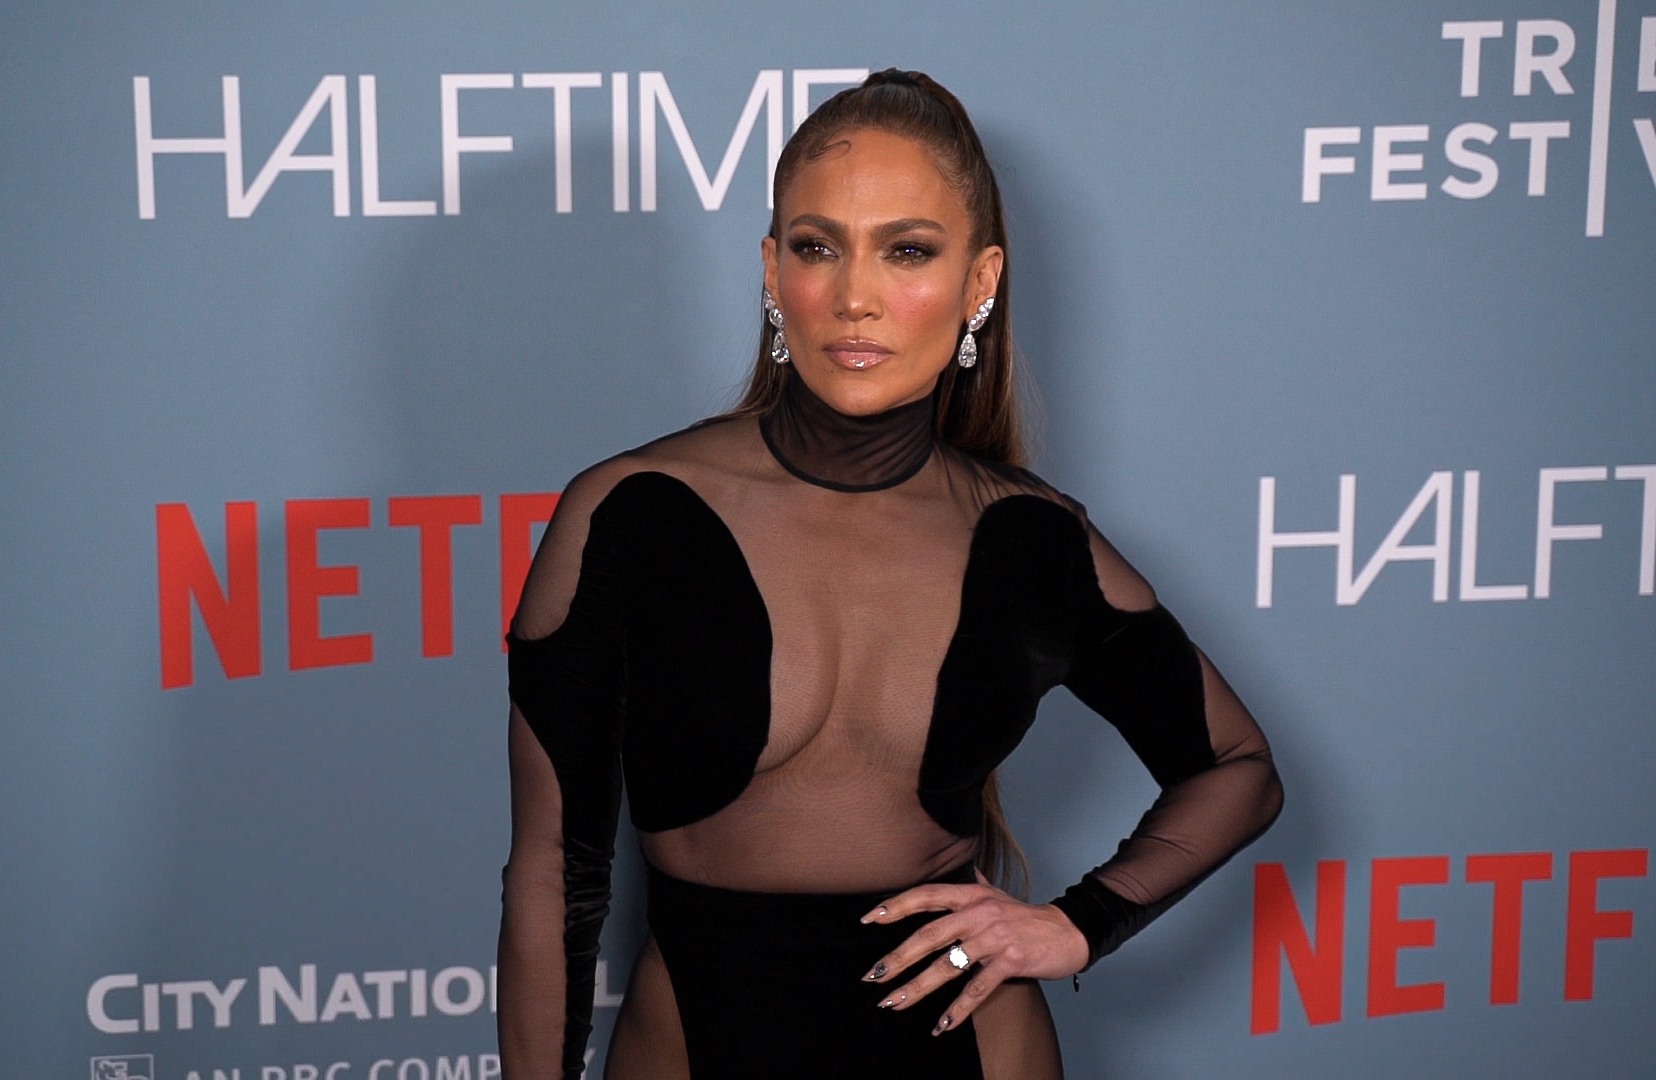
(229, 601)
(1315, 953)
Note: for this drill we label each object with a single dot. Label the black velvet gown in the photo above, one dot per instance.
(805, 641)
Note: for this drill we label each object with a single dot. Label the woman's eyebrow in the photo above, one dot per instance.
(817, 221)
(903, 225)
(837, 230)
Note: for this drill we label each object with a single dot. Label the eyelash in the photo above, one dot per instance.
(810, 249)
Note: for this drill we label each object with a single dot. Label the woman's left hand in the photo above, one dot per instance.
(1003, 937)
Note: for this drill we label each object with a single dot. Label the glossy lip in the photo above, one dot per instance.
(857, 354)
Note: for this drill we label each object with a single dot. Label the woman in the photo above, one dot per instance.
(807, 632)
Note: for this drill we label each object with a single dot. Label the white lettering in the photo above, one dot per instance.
(384, 984)
(1647, 143)
(454, 143)
(330, 91)
(601, 995)
(1471, 36)
(1647, 524)
(300, 1004)
(1341, 538)
(1438, 491)
(335, 1069)
(368, 145)
(1527, 63)
(1317, 165)
(1647, 54)
(97, 1009)
(488, 1066)
(229, 144)
(1547, 532)
(382, 1063)
(653, 92)
(1469, 587)
(183, 994)
(459, 1069)
(345, 996)
(152, 1007)
(407, 1070)
(417, 992)
(1598, 140)
(1488, 172)
(221, 1000)
(560, 83)
(620, 142)
(444, 982)
(1386, 162)
(1539, 135)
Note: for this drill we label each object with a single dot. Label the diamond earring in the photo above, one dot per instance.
(968, 354)
(779, 343)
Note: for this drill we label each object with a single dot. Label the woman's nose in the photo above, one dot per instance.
(859, 290)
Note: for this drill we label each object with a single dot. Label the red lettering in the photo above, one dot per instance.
(519, 514)
(435, 516)
(1278, 929)
(308, 583)
(1585, 923)
(1508, 874)
(1388, 934)
(184, 571)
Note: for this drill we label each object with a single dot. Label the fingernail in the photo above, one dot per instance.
(942, 1025)
(888, 1003)
(875, 972)
(877, 913)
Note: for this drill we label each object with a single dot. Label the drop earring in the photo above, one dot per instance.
(779, 343)
(968, 354)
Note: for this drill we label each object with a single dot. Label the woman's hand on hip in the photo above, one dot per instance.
(1002, 937)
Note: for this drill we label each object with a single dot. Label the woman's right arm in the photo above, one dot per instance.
(566, 663)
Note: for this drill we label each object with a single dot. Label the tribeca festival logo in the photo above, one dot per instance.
(1538, 54)
(655, 99)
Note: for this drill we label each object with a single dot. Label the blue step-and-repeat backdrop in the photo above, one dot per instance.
(1343, 318)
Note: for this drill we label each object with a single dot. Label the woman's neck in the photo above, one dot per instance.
(830, 449)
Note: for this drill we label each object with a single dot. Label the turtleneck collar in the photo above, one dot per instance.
(822, 446)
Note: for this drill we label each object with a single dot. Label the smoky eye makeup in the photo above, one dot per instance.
(810, 248)
(912, 250)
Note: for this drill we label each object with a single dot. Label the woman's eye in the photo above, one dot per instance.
(811, 250)
(911, 253)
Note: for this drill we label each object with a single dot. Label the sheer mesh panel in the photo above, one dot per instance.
(857, 545)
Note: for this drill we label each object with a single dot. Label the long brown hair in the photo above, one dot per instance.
(977, 407)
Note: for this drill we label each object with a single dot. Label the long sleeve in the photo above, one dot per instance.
(1135, 666)
(566, 661)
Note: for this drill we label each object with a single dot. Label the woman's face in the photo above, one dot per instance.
(875, 271)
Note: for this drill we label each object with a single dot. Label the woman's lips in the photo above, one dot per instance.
(858, 354)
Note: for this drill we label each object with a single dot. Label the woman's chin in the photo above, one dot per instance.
(866, 391)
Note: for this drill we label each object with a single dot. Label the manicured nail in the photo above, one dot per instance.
(942, 1025)
(877, 913)
(875, 972)
(888, 1003)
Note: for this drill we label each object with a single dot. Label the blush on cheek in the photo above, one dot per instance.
(922, 308)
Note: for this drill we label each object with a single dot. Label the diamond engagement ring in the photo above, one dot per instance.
(958, 957)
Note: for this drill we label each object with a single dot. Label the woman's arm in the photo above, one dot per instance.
(531, 955)
(1134, 666)
(566, 659)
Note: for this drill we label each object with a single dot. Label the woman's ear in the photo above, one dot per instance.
(984, 279)
(767, 252)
